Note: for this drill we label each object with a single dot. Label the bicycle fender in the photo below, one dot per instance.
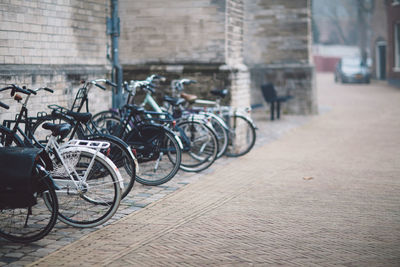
(177, 138)
(106, 159)
(122, 142)
(250, 120)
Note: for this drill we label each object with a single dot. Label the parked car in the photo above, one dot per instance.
(352, 70)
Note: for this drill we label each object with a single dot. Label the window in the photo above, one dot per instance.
(397, 46)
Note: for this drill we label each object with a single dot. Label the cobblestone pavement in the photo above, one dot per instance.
(316, 191)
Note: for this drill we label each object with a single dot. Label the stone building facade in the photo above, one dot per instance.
(196, 39)
(55, 44)
(235, 44)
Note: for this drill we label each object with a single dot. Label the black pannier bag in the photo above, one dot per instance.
(18, 178)
(146, 139)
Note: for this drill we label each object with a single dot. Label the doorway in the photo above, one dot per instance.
(381, 60)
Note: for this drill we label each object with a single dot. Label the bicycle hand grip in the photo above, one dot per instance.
(18, 89)
(100, 86)
(48, 90)
(4, 105)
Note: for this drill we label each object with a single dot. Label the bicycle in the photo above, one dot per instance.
(79, 170)
(84, 128)
(24, 216)
(241, 128)
(158, 149)
(199, 143)
(198, 132)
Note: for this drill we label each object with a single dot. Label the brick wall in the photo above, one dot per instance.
(178, 31)
(54, 44)
(197, 39)
(277, 31)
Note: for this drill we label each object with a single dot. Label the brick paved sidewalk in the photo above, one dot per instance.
(141, 196)
(325, 194)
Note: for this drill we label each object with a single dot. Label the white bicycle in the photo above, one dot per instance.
(88, 184)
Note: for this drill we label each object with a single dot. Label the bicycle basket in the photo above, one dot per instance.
(18, 181)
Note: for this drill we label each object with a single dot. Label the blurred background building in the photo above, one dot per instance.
(369, 28)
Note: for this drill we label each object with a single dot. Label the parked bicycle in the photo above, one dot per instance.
(84, 129)
(24, 184)
(88, 184)
(241, 128)
(197, 132)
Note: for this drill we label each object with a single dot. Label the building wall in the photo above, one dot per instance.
(277, 49)
(54, 44)
(277, 32)
(197, 39)
(393, 15)
(179, 31)
(378, 31)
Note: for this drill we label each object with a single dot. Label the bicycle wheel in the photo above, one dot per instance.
(200, 146)
(42, 135)
(31, 224)
(220, 129)
(242, 135)
(109, 122)
(121, 156)
(93, 201)
(165, 165)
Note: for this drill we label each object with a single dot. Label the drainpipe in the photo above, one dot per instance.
(114, 30)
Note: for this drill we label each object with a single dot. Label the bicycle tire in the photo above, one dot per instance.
(237, 123)
(109, 122)
(222, 134)
(14, 225)
(96, 205)
(150, 172)
(122, 158)
(202, 151)
(163, 169)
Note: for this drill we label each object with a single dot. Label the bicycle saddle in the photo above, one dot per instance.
(188, 97)
(81, 117)
(135, 109)
(61, 130)
(175, 101)
(221, 93)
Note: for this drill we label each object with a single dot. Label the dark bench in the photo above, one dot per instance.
(271, 97)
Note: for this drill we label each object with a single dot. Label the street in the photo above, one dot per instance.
(318, 191)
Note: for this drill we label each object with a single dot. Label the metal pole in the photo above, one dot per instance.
(117, 68)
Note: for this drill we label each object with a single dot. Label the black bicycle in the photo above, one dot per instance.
(28, 202)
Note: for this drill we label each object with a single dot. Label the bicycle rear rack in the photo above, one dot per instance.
(89, 144)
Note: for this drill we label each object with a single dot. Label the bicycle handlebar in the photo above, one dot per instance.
(108, 82)
(4, 105)
(14, 89)
(179, 84)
